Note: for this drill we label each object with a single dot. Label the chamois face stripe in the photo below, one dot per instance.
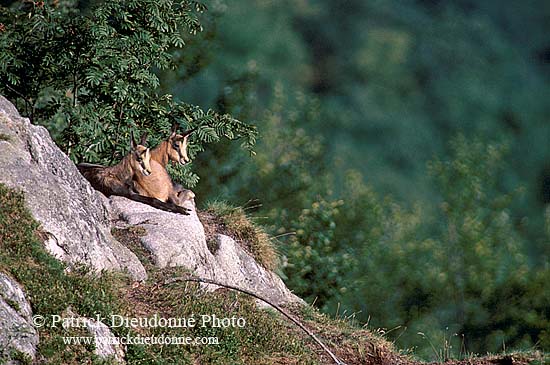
(146, 162)
(142, 156)
(183, 151)
(178, 149)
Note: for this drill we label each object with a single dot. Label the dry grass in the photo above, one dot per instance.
(219, 217)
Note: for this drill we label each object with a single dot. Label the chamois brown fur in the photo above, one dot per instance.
(173, 149)
(156, 185)
(119, 179)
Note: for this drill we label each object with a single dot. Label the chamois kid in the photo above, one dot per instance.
(118, 179)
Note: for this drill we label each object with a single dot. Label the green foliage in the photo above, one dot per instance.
(446, 282)
(392, 83)
(91, 78)
(479, 239)
(480, 249)
(288, 169)
(317, 263)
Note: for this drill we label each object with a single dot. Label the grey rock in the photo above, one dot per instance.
(73, 215)
(178, 240)
(17, 334)
(231, 261)
(104, 348)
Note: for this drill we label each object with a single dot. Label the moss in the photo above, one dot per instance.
(21, 358)
(4, 137)
(48, 287)
(234, 222)
(13, 304)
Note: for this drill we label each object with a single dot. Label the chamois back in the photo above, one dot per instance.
(117, 179)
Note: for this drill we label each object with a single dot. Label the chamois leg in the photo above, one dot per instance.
(128, 192)
(155, 203)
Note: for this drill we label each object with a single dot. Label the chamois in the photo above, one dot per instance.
(118, 179)
(173, 149)
(159, 185)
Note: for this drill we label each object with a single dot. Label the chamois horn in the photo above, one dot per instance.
(175, 126)
(133, 143)
(187, 133)
(144, 138)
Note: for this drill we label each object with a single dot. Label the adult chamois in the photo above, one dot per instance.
(173, 149)
(119, 179)
(158, 184)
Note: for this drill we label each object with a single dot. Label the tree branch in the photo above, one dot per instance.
(281, 310)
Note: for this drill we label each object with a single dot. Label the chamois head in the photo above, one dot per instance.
(140, 156)
(178, 146)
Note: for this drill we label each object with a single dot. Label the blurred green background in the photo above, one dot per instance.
(403, 165)
(404, 159)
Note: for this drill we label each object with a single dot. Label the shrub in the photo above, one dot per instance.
(91, 78)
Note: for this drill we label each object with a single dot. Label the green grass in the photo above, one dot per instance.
(234, 222)
(48, 287)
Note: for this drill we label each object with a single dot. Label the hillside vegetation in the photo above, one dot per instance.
(265, 339)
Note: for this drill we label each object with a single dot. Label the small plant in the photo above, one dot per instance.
(12, 303)
(21, 358)
(130, 237)
(446, 351)
(317, 265)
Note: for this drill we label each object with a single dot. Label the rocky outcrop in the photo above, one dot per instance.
(179, 240)
(18, 337)
(77, 222)
(72, 214)
(77, 219)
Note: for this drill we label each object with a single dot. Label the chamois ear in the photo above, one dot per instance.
(144, 138)
(133, 143)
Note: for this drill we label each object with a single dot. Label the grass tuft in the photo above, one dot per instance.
(131, 238)
(220, 217)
